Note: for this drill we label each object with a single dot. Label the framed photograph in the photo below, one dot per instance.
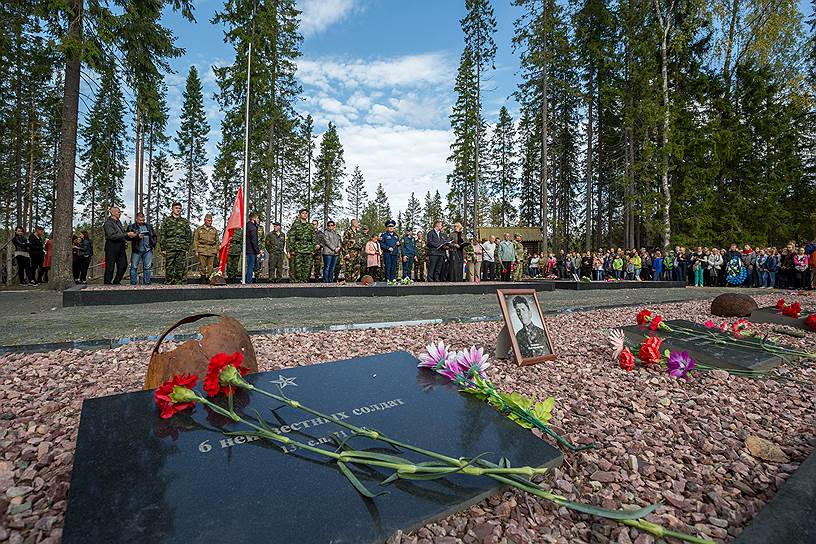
(525, 326)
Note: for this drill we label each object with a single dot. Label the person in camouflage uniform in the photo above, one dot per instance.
(521, 258)
(302, 245)
(175, 242)
(353, 243)
(470, 257)
(317, 257)
(234, 255)
(205, 245)
(275, 246)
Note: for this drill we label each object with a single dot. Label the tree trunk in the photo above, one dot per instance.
(149, 175)
(61, 275)
(190, 176)
(664, 169)
(29, 215)
(544, 158)
(136, 161)
(18, 146)
(588, 236)
(141, 168)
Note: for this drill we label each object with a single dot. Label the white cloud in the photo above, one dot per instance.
(404, 159)
(411, 70)
(318, 15)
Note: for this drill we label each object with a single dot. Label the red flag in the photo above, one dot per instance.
(236, 221)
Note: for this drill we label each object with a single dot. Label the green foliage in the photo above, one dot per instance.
(356, 195)
(191, 141)
(327, 184)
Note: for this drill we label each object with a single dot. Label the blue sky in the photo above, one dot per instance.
(382, 70)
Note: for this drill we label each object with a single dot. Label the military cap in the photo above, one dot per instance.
(390, 223)
(300, 211)
(276, 224)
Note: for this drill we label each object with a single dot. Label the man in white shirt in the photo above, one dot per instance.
(489, 259)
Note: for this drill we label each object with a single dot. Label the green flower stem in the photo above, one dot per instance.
(661, 532)
(493, 471)
(727, 339)
(350, 457)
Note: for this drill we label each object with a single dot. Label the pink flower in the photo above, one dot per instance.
(709, 324)
(473, 361)
(724, 326)
(435, 356)
(453, 370)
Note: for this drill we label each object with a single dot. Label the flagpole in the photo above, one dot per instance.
(246, 170)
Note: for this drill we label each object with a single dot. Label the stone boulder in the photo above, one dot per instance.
(733, 305)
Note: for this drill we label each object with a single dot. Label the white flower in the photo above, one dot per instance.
(617, 341)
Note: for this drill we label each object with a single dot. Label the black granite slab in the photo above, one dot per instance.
(611, 285)
(140, 479)
(127, 295)
(706, 349)
(769, 314)
(790, 516)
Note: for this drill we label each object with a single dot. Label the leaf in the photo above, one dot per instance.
(390, 479)
(437, 475)
(608, 514)
(521, 401)
(512, 416)
(543, 409)
(504, 462)
(358, 485)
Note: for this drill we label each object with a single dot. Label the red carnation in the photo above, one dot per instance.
(810, 322)
(212, 384)
(780, 304)
(655, 323)
(792, 310)
(649, 351)
(163, 395)
(626, 360)
(643, 317)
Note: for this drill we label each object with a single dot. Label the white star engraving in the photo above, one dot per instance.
(283, 381)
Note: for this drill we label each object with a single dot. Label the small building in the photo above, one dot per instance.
(530, 236)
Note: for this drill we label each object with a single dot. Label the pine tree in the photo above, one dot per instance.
(479, 26)
(330, 170)
(382, 206)
(465, 122)
(433, 210)
(161, 188)
(370, 217)
(413, 213)
(529, 194)
(501, 177)
(191, 141)
(272, 28)
(356, 194)
(103, 152)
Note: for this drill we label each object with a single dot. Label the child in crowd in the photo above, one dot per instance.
(534, 260)
(373, 253)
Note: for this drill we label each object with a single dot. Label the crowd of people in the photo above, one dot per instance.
(792, 267)
(315, 254)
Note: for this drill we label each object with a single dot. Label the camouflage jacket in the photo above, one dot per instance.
(275, 243)
(302, 238)
(175, 234)
(352, 240)
(521, 255)
(205, 241)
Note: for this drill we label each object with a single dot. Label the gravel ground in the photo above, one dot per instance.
(660, 439)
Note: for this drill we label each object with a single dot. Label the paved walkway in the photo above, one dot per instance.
(32, 316)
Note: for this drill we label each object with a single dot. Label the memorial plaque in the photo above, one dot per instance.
(709, 348)
(773, 316)
(140, 479)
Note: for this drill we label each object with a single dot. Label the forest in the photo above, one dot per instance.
(641, 123)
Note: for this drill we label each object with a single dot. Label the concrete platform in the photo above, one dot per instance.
(83, 295)
(790, 516)
(604, 285)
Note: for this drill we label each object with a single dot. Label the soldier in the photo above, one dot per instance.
(521, 258)
(205, 245)
(234, 255)
(421, 257)
(389, 244)
(302, 245)
(317, 258)
(175, 242)
(408, 245)
(275, 244)
(353, 242)
(531, 339)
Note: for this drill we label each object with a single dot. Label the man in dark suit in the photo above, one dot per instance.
(531, 338)
(436, 252)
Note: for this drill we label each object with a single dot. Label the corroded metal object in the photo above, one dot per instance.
(227, 335)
